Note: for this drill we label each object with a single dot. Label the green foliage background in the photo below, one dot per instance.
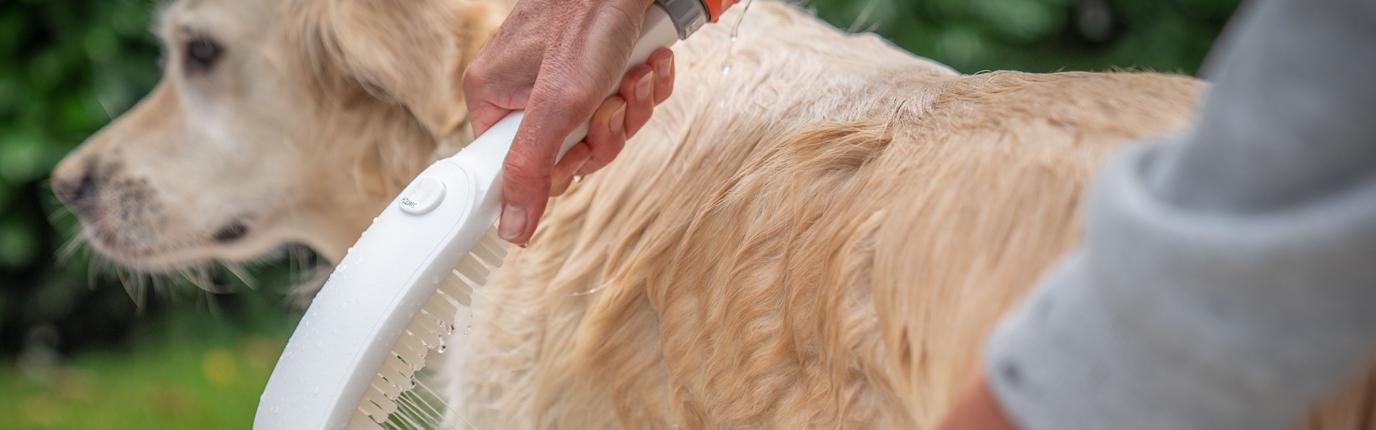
(75, 350)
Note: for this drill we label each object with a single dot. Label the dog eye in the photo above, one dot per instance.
(201, 53)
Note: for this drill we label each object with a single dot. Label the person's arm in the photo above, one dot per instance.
(1226, 279)
(976, 409)
(556, 59)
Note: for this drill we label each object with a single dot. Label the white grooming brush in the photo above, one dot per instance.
(395, 295)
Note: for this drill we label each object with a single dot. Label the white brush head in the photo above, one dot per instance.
(395, 386)
(391, 300)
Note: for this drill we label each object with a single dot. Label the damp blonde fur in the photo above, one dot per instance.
(817, 230)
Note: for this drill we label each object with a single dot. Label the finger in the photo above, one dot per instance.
(483, 116)
(638, 89)
(481, 113)
(662, 60)
(499, 78)
(567, 167)
(491, 102)
(485, 97)
(606, 133)
(555, 110)
(567, 92)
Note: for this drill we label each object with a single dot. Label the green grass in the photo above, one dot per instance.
(202, 376)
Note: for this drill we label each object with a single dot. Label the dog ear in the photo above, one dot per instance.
(411, 53)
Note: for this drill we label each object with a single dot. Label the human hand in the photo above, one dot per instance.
(558, 60)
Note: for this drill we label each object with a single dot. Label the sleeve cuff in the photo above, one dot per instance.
(1167, 318)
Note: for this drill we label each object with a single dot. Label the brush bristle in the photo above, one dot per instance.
(427, 331)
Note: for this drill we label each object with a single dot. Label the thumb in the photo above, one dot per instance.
(526, 179)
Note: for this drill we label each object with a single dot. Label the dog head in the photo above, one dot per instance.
(274, 122)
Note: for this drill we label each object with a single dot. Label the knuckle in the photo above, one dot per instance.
(579, 94)
(558, 94)
(475, 76)
(524, 169)
(474, 69)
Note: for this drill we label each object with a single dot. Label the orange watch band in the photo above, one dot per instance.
(716, 7)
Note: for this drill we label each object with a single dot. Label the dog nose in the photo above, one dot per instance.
(74, 187)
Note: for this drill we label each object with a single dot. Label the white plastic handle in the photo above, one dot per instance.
(393, 269)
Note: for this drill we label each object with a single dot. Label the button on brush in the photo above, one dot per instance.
(422, 196)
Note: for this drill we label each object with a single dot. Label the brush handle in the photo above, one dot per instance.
(392, 271)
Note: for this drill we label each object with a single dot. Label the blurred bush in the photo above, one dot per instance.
(69, 66)
(1043, 35)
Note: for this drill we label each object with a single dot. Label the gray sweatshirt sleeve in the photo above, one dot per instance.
(1227, 278)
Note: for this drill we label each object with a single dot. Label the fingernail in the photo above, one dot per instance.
(619, 118)
(642, 88)
(513, 222)
(665, 66)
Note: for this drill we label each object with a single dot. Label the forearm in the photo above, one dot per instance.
(1226, 279)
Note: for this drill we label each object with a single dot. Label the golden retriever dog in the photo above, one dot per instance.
(817, 230)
